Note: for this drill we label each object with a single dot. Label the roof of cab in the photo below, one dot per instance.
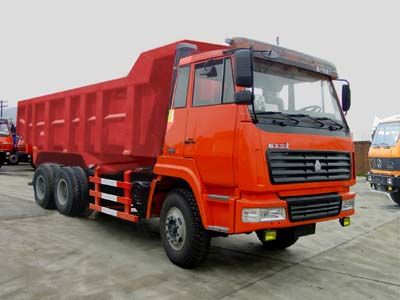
(281, 55)
(391, 119)
(287, 56)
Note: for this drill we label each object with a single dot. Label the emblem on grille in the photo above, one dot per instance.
(317, 166)
(379, 163)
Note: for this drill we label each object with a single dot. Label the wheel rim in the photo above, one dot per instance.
(62, 192)
(40, 187)
(175, 228)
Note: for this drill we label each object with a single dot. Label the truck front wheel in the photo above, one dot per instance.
(184, 238)
(284, 239)
(395, 197)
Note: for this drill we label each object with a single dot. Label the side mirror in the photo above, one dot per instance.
(346, 97)
(243, 97)
(243, 71)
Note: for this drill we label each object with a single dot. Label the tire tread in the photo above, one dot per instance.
(199, 245)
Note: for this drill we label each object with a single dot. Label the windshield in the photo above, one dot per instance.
(387, 134)
(295, 92)
(4, 131)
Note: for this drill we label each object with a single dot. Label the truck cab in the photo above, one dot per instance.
(6, 141)
(384, 158)
(267, 151)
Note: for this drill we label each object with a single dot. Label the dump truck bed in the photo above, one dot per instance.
(118, 124)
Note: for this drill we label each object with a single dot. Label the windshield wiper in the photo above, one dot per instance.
(307, 116)
(331, 127)
(274, 121)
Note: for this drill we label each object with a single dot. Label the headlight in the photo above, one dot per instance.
(253, 215)
(390, 181)
(347, 204)
(369, 178)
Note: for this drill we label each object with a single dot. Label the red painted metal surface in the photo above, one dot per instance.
(118, 124)
(6, 141)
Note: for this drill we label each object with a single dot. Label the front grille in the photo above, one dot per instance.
(313, 207)
(385, 163)
(308, 166)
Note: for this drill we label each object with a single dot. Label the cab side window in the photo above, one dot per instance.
(213, 83)
(181, 87)
(208, 83)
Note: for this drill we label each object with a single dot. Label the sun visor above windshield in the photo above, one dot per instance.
(287, 56)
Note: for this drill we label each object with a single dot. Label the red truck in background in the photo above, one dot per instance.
(213, 139)
(13, 148)
(6, 141)
(23, 152)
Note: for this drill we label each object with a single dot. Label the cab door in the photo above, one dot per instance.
(177, 116)
(211, 122)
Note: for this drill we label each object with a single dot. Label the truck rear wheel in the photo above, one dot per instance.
(43, 185)
(184, 238)
(67, 193)
(395, 197)
(82, 177)
(284, 239)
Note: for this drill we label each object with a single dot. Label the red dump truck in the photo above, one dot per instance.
(23, 152)
(6, 142)
(212, 139)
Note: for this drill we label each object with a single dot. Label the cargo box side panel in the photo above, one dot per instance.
(151, 77)
(115, 123)
(88, 141)
(40, 125)
(57, 135)
(74, 123)
(22, 121)
(25, 121)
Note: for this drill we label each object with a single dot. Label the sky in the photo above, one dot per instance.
(48, 45)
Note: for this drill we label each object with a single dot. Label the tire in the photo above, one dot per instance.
(56, 168)
(186, 245)
(82, 177)
(395, 197)
(43, 185)
(13, 159)
(66, 192)
(284, 239)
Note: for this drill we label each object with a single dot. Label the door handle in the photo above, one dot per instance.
(189, 141)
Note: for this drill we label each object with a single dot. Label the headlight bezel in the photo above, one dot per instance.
(263, 214)
(348, 205)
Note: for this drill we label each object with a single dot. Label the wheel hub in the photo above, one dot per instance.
(175, 228)
(62, 192)
(40, 187)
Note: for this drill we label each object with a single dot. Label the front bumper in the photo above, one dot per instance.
(383, 183)
(275, 201)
